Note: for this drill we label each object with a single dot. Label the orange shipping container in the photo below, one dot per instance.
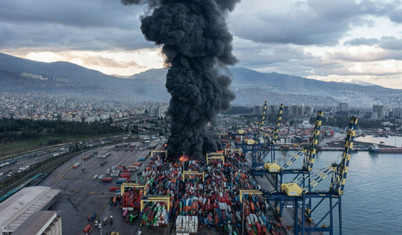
(87, 228)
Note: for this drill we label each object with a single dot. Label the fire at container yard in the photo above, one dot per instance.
(196, 44)
(189, 196)
(140, 192)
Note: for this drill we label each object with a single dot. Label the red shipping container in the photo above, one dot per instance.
(107, 179)
(113, 188)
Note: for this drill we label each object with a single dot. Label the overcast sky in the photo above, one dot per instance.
(342, 40)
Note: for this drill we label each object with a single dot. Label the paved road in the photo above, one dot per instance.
(81, 195)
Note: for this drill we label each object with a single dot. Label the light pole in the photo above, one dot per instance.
(242, 215)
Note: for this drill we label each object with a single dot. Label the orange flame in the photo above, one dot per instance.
(183, 158)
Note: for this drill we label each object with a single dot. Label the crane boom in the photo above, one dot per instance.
(264, 114)
(278, 124)
(312, 150)
(341, 170)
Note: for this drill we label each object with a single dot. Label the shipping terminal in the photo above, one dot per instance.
(243, 188)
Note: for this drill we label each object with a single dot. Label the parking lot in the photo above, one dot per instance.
(82, 195)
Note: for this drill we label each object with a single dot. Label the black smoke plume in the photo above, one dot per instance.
(196, 44)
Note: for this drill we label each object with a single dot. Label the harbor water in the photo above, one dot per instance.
(372, 201)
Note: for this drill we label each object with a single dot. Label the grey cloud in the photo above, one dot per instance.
(265, 55)
(396, 16)
(362, 41)
(279, 58)
(388, 42)
(318, 22)
(59, 37)
(391, 43)
(70, 24)
(89, 13)
(293, 60)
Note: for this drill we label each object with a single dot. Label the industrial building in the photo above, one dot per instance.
(41, 223)
(17, 209)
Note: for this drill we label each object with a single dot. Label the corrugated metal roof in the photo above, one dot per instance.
(36, 223)
(17, 208)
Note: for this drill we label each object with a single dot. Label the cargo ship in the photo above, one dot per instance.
(376, 149)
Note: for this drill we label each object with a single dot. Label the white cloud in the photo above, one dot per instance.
(123, 63)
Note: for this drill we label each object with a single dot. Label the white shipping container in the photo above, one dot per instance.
(179, 224)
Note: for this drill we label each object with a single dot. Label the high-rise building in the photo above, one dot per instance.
(158, 111)
(343, 107)
(287, 111)
(273, 109)
(308, 110)
(395, 113)
(300, 111)
(257, 110)
(294, 110)
(378, 112)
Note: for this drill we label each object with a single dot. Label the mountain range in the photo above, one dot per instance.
(251, 87)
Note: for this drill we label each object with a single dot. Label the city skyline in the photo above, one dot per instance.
(345, 41)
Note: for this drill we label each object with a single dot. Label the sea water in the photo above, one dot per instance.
(372, 199)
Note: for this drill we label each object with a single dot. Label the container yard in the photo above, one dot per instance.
(141, 192)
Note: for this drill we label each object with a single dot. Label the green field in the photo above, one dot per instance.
(21, 135)
(25, 145)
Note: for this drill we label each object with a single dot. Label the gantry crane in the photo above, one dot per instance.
(278, 172)
(293, 192)
(251, 142)
(261, 150)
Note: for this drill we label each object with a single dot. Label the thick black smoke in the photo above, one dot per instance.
(196, 43)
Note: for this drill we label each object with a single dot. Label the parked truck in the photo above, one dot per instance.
(107, 179)
(87, 229)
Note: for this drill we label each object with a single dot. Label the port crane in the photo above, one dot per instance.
(261, 149)
(277, 171)
(303, 195)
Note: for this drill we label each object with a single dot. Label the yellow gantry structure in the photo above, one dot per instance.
(252, 192)
(159, 151)
(309, 163)
(233, 150)
(278, 124)
(215, 155)
(156, 199)
(291, 189)
(222, 134)
(340, 173)
(130, 185)
(193, 173)
(264, 114)
(240, 132)
(272, 167)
